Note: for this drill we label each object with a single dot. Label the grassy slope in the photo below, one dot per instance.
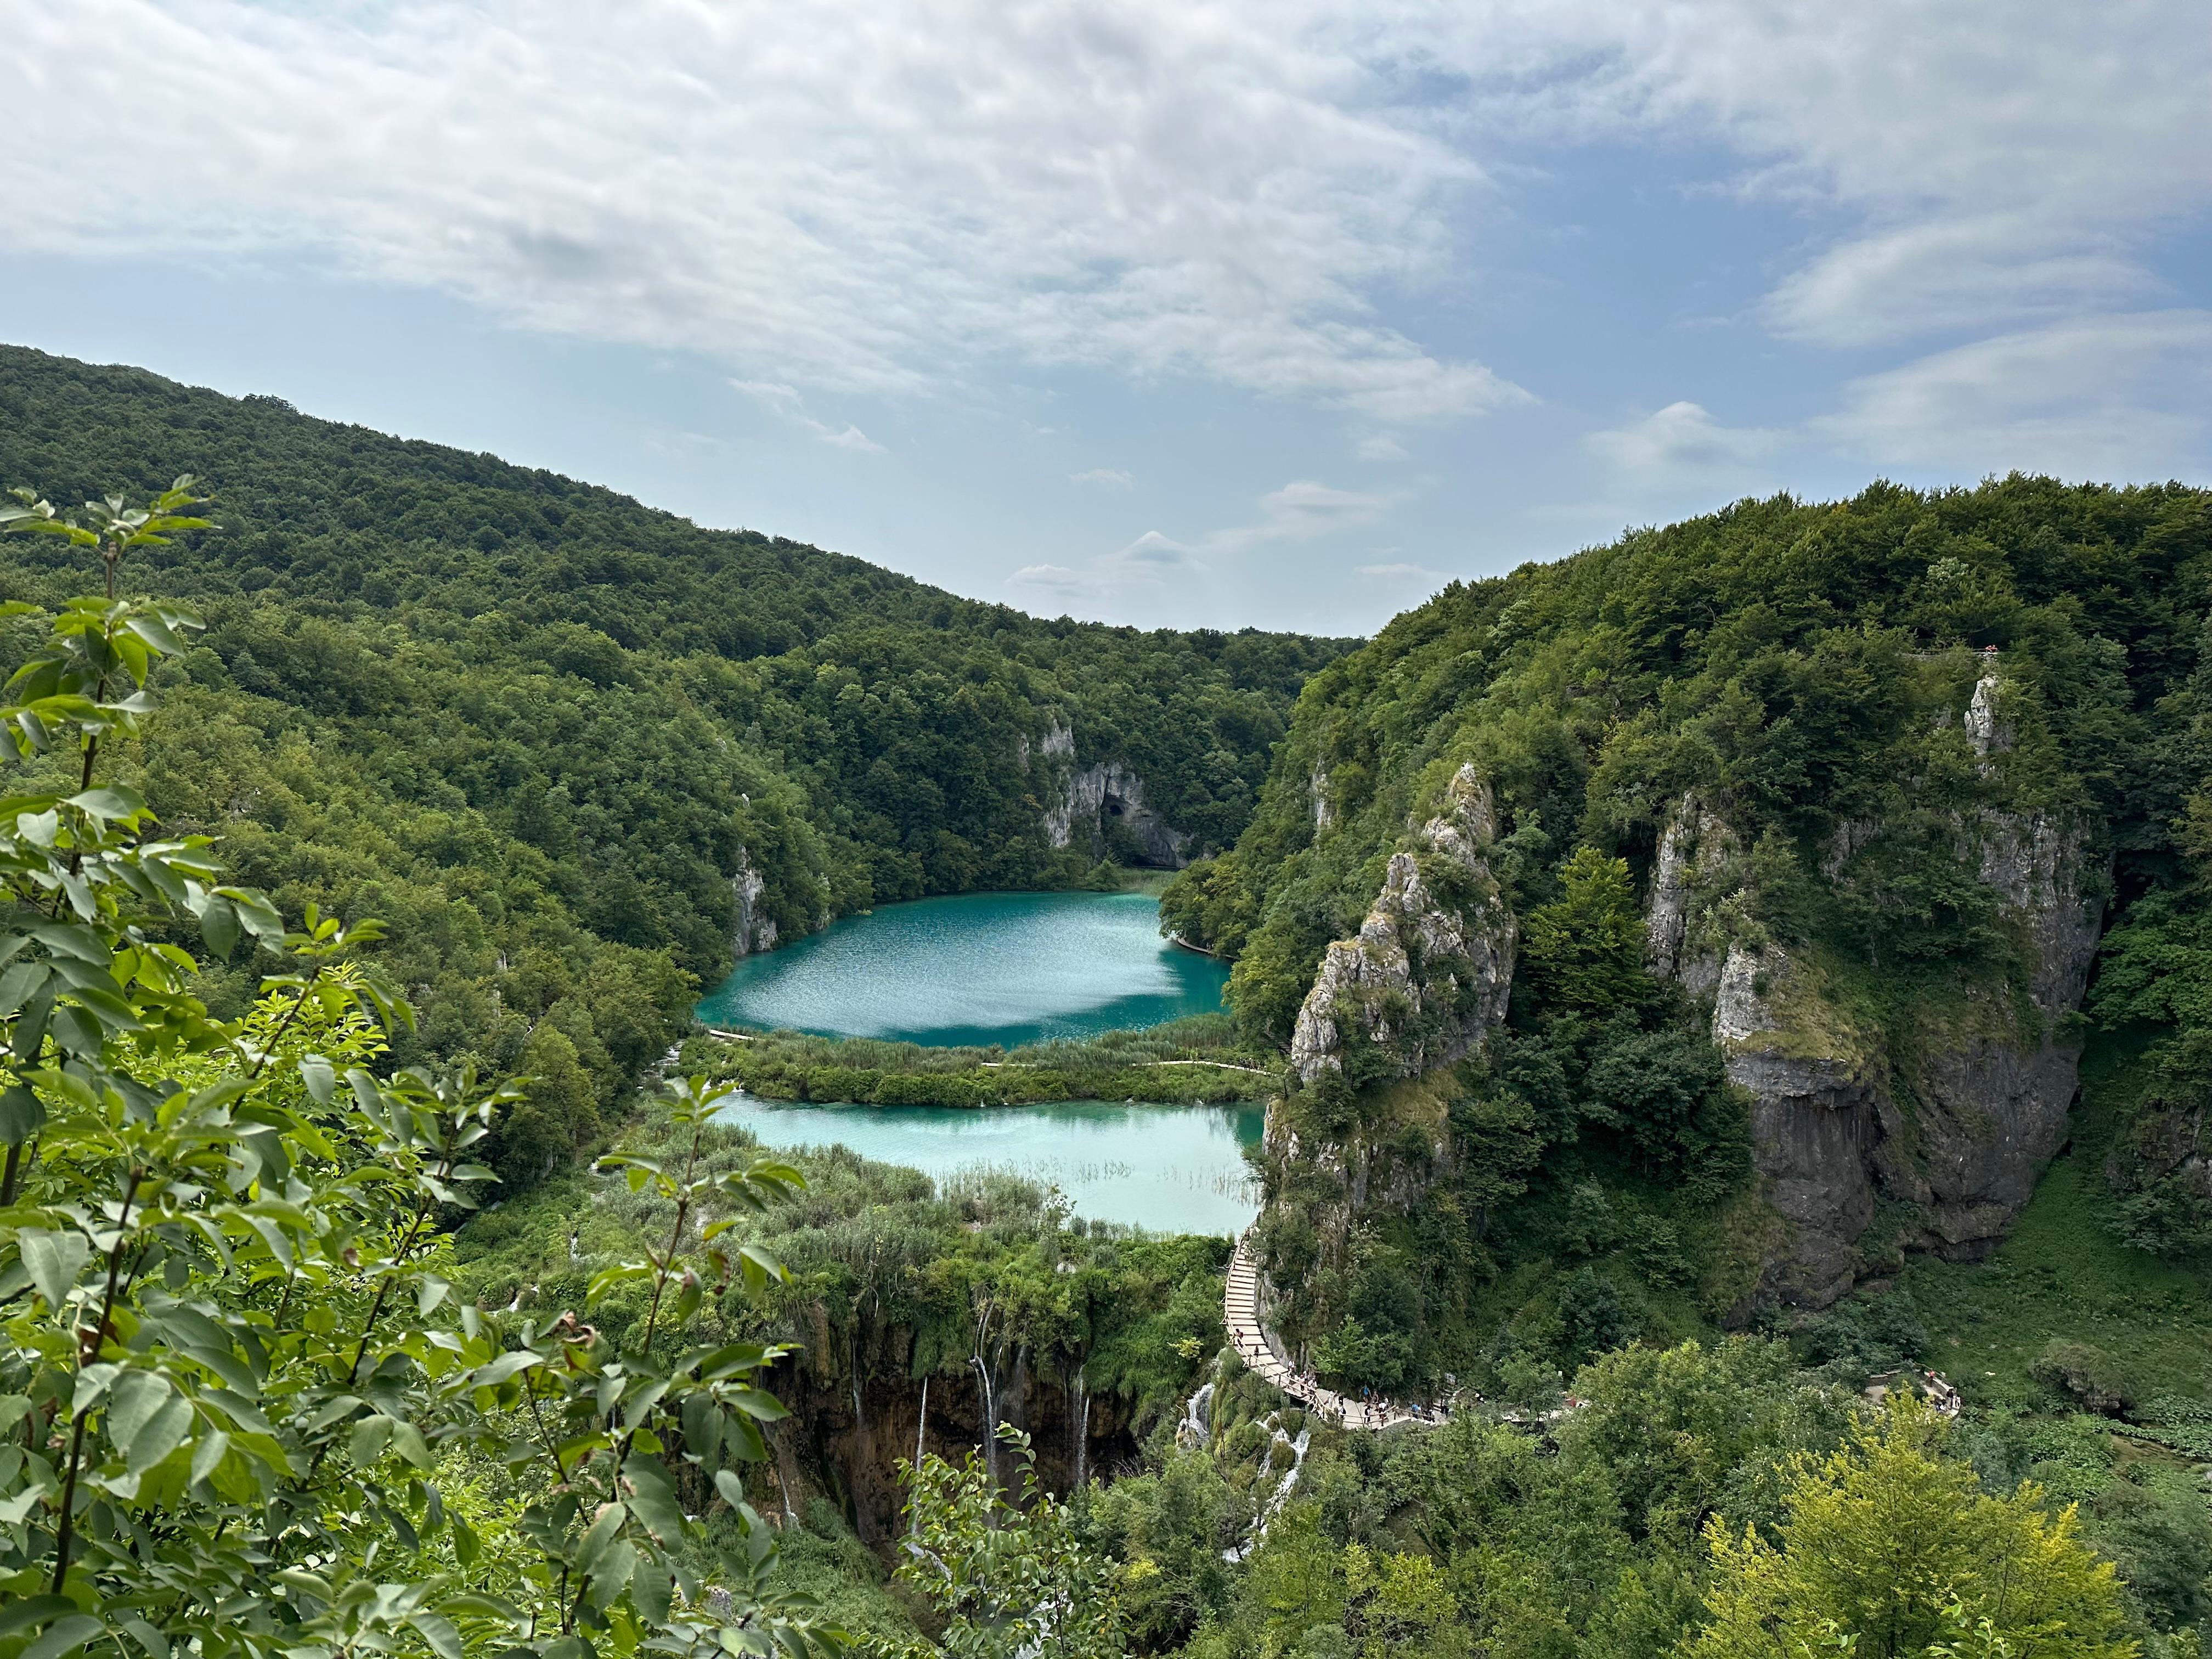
(2062, 1273)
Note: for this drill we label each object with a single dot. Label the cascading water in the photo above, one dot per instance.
(1198, 1416)
(921, 1429)
(1083, 1440)
(1281, 1495)
(1078, 1425)
(990, 1420)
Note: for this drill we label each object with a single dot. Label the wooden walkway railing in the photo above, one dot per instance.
(1240, 1311)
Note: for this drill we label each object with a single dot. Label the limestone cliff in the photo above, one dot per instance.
(1424, 984)
(749, 930)
(1427, 978)
(1104, 803)
(1699, 866)
(1951, 1120)
(1939, 1129)
(1851, 777)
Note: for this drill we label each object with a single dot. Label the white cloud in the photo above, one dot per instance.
(1300, 511)
(1154, 549)
(1953, 274)
(2124, 397)
(787, 402)
(1681, 438)
(887, 200)
(1402, 572)
(1981, 163)
(876, 199)
(1110, 478)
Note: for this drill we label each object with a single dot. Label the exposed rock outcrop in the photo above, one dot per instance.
(1103, 799)
(1817, 1117)
(1698, 864)
(1986, 727)
(749, 930)
(1363, 1174)
(1317, 788)
(1427, 978)
(1960, 1128)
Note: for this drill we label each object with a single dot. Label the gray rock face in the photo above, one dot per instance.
(1428, 976)
(1110, 794)
(750, 931)
(1088, 803)
(1318, 786)
(1986, 727)
(1816, 1120)
(1962, 1130)
(1697, 862)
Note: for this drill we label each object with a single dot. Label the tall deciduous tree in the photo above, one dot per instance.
(1889, 1551)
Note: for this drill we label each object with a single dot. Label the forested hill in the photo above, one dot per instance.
(556, 738)
(1716, 911)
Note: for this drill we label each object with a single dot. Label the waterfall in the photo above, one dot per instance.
(786, 1471)
(860, 1416)
(1282, 1493)
(990, 1420)
(920, 1428)
(1198, 1414)
(1082, 1431)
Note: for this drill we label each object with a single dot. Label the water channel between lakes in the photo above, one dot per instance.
(1010, 969)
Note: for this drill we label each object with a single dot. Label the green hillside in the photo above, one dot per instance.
(1800, 676)
(279, 1376)
(542, 730)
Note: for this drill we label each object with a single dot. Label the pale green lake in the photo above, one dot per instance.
(977, 967)
(1169, 1169)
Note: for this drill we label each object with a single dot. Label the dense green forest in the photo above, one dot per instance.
(286, 1369)
(1616, 1529)
(543, 731)
(1800, 674)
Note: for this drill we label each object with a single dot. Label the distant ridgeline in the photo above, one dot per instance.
(1702, 922)
(580, 753)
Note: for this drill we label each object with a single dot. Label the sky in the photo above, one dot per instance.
(1163, 312)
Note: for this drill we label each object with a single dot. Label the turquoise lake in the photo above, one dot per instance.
(976, 968)
(1168, 1168)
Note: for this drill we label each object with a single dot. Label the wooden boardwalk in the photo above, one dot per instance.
(1240, 1311)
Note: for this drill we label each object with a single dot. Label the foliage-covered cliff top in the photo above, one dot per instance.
(1786, 660)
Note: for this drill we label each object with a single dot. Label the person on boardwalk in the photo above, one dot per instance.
(1241, 1314)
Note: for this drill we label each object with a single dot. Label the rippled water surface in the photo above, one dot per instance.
(979, 967)
(1170, 1168)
